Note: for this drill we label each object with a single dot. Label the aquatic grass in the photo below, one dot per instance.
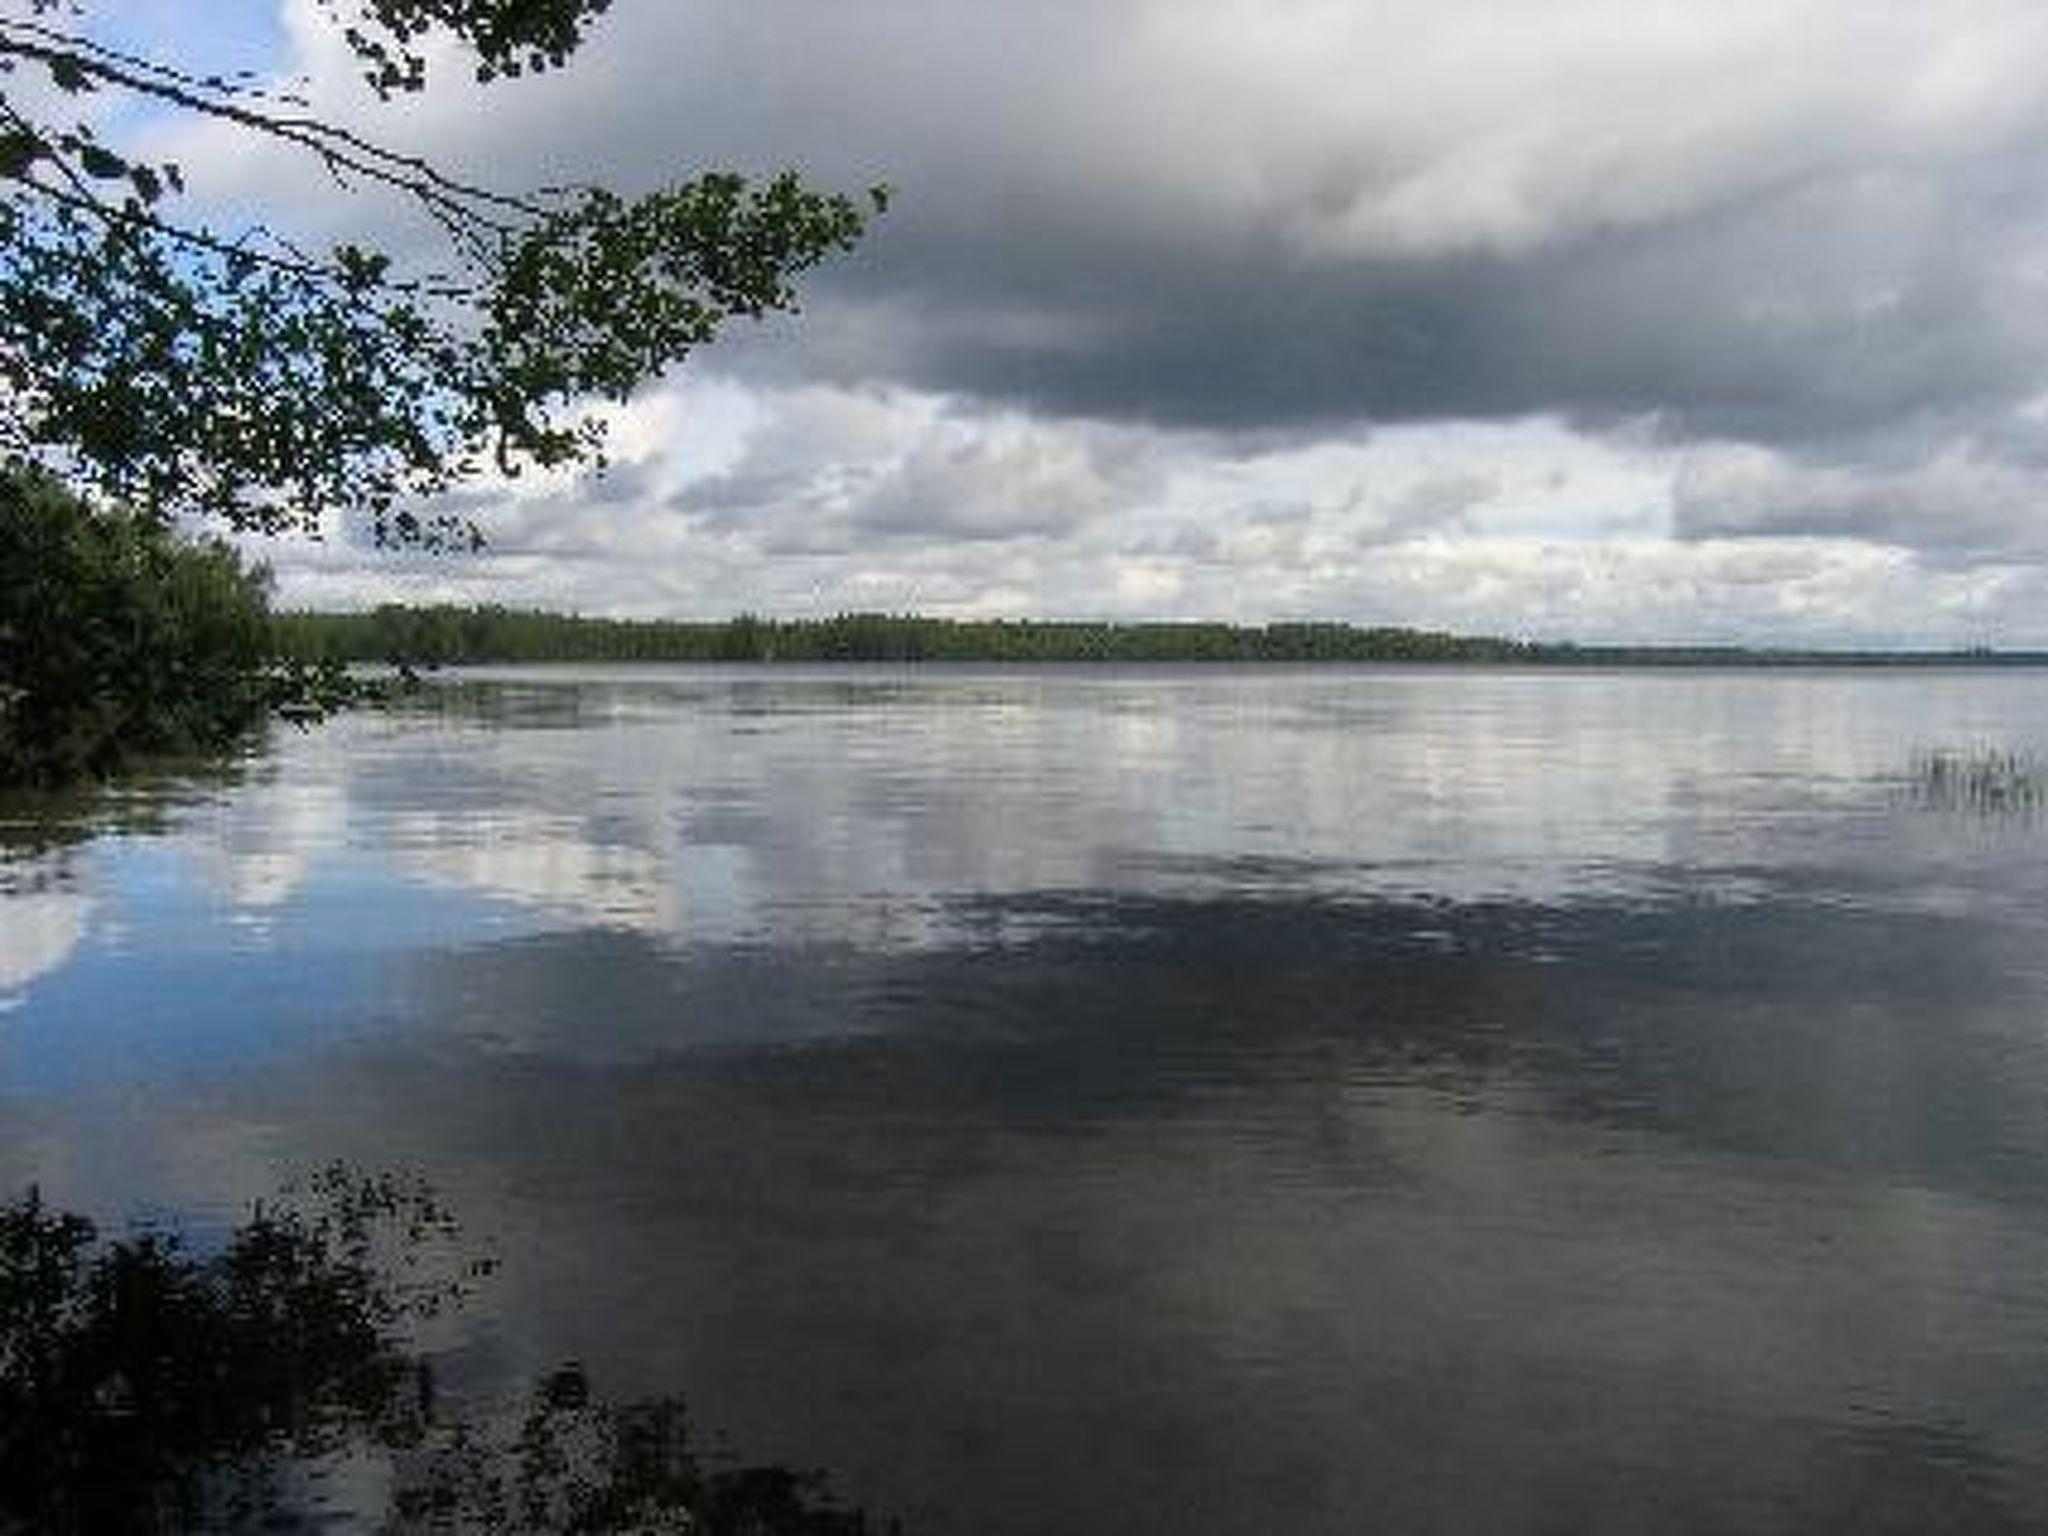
(1982, 780)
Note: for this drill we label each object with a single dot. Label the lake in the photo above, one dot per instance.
(1139, 1100)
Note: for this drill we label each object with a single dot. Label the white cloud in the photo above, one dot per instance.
(828, 500)
(1957, 497)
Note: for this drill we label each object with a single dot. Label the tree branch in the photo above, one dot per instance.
(72, 57)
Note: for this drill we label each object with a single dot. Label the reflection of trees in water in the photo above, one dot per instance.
(147, 1388)
(37, 824)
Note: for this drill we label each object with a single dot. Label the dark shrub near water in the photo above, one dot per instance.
(146, 1388)
(119, 639)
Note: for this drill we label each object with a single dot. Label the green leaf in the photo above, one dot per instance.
(19, 149)
(102, 164)
(70, 75)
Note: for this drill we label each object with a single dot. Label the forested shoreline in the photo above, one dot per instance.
(448, 635)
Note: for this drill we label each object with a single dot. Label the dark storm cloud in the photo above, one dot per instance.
(1754, 222)
(1785, 320)
(1745, 224)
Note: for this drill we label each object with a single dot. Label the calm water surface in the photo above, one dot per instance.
(1139, 1100)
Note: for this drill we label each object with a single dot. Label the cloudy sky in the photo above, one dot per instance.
(1596, 319)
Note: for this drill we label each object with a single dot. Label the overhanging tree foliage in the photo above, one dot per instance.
(183, 368)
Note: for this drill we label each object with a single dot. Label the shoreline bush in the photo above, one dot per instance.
(119, 639)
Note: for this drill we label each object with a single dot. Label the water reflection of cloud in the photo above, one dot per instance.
(260, 845)
(899, 809)
(39, 930)
(710, 806)
(695, 894)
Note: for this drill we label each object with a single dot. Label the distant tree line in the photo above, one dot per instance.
(453, 635)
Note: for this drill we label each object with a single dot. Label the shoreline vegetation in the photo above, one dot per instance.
(124, 643)
(447, 635)
(120, 641)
